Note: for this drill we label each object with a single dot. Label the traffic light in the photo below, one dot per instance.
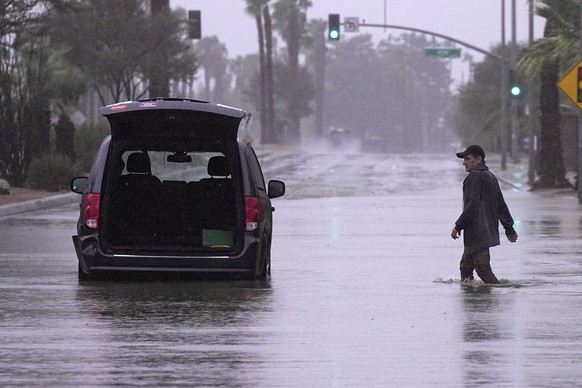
(333, 26)
(194, 25)
(515, 90)
(579, 85)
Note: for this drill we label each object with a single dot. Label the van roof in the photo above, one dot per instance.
(170, 103)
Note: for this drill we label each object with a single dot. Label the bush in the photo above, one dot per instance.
(52, 172)
(88, 138)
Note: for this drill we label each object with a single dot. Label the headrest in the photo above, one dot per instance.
(218, 166)
(139, 163)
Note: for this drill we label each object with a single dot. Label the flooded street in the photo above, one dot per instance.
(364, 292)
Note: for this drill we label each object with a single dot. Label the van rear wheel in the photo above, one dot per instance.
(264, 264)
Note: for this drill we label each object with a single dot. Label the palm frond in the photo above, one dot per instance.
(556, 49)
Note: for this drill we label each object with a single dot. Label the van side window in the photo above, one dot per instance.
(256, 169)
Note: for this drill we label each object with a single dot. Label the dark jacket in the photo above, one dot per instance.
(483, 209)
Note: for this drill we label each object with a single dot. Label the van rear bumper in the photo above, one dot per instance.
(92, 259)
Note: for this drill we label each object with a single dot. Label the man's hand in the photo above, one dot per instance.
(455, 234)
(512, 237)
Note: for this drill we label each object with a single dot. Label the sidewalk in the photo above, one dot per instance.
(43, 203)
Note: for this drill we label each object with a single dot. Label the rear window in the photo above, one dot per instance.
(169, 166)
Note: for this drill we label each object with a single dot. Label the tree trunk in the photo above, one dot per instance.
(262, 81)
(552, 172)
(293, 45)
(159, 85)
(274, 135)
(319, 66)
(65, 136)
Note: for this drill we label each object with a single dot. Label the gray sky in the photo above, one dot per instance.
(477, 22)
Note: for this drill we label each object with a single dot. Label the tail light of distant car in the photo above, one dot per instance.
(253, 213)
(91, 211)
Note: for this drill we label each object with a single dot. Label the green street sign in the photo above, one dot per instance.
(442, 52)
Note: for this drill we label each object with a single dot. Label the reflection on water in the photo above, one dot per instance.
(179, 331)
(479, 309)
(484, 325)
(197, 303)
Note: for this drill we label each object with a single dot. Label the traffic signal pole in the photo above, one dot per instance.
(449, 38)
(503, 94)
(531, 170)
(512, 135)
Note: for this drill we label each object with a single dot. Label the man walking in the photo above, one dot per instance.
(483, 209)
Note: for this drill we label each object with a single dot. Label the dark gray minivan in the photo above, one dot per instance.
(171, 190)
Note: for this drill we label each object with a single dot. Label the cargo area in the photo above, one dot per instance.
(171, 199)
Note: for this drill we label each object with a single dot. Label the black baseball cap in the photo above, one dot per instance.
(474, 150)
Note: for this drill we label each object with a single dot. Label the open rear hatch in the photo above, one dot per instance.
(166, 118)
(173, 182)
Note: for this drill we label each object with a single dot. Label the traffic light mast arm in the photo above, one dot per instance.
(468, 45)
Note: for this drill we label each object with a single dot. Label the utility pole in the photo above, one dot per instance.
(531, 172)
(503, 93)
(512, 136)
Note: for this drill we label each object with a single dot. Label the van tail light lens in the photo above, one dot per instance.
(253, 213)
(91, 211)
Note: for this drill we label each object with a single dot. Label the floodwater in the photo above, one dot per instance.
(364, 292)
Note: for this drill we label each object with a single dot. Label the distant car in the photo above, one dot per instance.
(339, 137)
(171, 190)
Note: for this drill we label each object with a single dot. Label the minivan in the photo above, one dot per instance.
(173, 190)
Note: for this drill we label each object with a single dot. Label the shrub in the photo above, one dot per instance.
(52, 172)
(87, 141)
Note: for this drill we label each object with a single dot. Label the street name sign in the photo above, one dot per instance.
(571, 84)
(442, 52)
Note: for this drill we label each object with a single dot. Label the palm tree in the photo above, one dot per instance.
(290, 20)
(159, 85)
(213, 59)
(544, 58)
(317, 58)
(269, 75)
(255, 8)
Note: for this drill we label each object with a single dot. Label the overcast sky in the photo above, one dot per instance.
(477, 22)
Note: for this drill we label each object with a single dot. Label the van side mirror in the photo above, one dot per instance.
(276, 189)
(79, 184)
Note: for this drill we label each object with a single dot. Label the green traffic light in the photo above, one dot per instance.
(333, 25)
(515, 91)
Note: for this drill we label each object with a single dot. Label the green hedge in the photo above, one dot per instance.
(52, 172)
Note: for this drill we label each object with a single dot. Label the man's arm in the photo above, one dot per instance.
(471, 200)
(506, 219)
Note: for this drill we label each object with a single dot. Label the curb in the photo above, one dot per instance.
(37, 204)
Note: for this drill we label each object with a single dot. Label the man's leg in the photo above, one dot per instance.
(483, 267)
(467, 266)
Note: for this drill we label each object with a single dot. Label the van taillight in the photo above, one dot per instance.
(91, 211)
(253, 213)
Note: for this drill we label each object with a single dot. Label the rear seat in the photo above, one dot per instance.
(220, 210)
(171, 217)
(134, 202)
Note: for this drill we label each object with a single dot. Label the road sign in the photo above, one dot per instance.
(351, 24)
(442, 52)
(571, 84)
